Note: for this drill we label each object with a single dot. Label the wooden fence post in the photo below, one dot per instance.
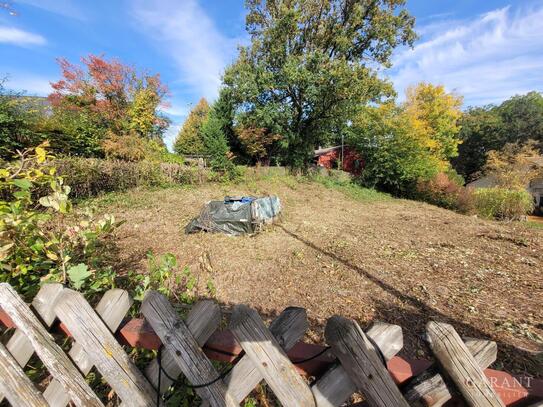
(15, 384)
(335, 386)
(52, 356)
(103, 350)
(359, 358)
(287, 328)
(177, 338)
(18, 345)
(461, 366)
(429, 388)
(112, 308)
(268, 357)
(203, 319)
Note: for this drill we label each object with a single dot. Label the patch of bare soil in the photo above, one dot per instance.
(397, 261)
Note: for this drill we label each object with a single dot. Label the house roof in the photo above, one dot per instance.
(322, 151)
(537, 160)
(487, 181)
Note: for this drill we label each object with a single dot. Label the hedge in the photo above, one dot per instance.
(92, 176)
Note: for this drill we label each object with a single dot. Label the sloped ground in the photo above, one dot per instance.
(384, 259)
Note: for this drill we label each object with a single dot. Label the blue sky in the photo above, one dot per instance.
(485, 50)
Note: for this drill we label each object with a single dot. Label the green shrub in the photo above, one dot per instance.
(502, 203)
(39, 239)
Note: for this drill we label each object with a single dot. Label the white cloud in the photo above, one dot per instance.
(178, 110)
(30, 84)
(189, 36)
(171, 134)
(12, 35)
(486, 59)
(64, 8)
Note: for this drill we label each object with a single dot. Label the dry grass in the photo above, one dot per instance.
(362, 256)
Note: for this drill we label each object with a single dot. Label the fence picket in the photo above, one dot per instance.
(15, 384)
(267, 356)
(177, 338)
(18, 345)
(461, 366)
(203, 319)
(288, 328)
(52, 356)
(359, 358)
(336, 386)
(103, 350)
(429, 388)
(112, 307)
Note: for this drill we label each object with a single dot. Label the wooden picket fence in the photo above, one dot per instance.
(354, 361)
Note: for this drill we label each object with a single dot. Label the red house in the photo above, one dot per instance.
(331, 158)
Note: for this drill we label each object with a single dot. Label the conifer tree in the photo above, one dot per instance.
(190, 138)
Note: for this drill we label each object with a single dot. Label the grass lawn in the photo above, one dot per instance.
(340, 249)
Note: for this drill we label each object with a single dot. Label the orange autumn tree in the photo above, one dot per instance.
(257, 142)
(112, 104)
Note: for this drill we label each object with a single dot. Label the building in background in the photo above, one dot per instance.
(330, 158)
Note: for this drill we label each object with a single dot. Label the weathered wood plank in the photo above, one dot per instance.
(18, 345)
(52, 356)
(461, 366)
(430, 388)
(177, 338)
(112, 308)
(103, 350)
(335, 386)
(203, 319)
(361, 361)
(267, 356)
(15, 384)
(288, 328)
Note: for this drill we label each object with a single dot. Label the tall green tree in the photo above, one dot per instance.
(224, 111)
(215, 143)
(522, 118)
(190, 139)
(395, 155)
(483, 129)
(312, 64)
(480, 132)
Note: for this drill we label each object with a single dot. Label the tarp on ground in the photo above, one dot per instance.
(236, 216)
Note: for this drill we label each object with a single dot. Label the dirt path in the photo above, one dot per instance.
(399, 261)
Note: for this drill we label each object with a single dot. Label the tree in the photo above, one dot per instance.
(257, 142)
(105, 105)
(215, 144)
(312, 64)
(516, 120)
(514, 166)
(522, 118)
(480, 132)
(395, 159)
(190, 139)
(434, 114)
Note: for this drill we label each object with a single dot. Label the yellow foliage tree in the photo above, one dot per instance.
(142, 113)
(190, 138)
(434, 116)
(515, 165)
